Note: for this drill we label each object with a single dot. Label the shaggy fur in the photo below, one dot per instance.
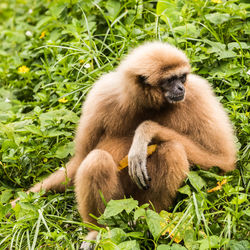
(194, 131)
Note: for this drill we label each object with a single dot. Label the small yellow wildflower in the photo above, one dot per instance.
(45, 160)
(81, 61)
(42, 34)
(216, 1)
(63, 100)
(23, 69)
(218, 187)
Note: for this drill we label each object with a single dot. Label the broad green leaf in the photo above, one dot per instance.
(34, 130)
(65, 150)
(177, 247)
(239, 245)
(217, 18)
(135, 234)
(240, 45)
(7, 144)
(139, 213)
(227, 54)
(58, 115)
(190, 240)
(4, 209)
(115, 207)
(185, 190)
(113, 7)
(169, 11)
(117, 235)
(5, 196)
(164, 247)
(154, 221)
(132, 244)
(197, 182)
(240, 199)
(187, 30)
(210, 242)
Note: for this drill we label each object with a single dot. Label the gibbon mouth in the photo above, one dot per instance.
(175, 98)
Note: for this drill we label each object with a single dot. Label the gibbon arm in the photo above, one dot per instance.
(196, 154)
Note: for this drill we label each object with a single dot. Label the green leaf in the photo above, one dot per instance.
(65, 150)
(115, 207)
(185, 190)
(132, 244)
(177, 247)
(58, 115)
(173, 247)
(240, 199)
(139, 213)
(239, 45)
(168, 10)
(113, 7)
(190, 240)
(34, 130)
(4, 210)
(227, 54)
(197, 182)
(154, 223)
(188, 30)
(5, 196)
(217, 18)
(164, 247)
(239, 245)
(210, 242)
(117, 235)
(135, 235)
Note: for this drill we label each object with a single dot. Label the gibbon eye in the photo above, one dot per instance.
(142, 79)
(183, 78)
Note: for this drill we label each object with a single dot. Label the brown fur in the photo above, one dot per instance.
(194, 131)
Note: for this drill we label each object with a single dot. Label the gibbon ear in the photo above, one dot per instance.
(142, 79)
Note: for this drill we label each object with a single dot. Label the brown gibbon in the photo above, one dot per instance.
(150, 97)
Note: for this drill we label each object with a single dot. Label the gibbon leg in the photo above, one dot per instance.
(168, 168)
(98, 172)
(58, 180)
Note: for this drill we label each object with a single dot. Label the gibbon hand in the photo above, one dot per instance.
(137, 165)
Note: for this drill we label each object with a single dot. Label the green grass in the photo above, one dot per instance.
(66, 46)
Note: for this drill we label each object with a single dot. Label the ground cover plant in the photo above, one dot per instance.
(51, 53)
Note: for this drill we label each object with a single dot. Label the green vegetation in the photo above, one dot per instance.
(51, 53)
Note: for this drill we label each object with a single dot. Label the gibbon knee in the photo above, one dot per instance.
(169, 168)
(97, 173)
(173, 159)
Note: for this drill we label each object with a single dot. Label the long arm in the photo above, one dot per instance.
(196, 154)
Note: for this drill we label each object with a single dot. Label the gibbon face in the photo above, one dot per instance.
(160, 68)
(173, 87)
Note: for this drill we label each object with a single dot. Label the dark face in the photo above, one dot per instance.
(173, 88)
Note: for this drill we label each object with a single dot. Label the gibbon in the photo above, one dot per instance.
(150, 98)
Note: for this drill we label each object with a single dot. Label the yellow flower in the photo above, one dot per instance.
(42, 34)
(81, 61)
(218, 187)
(216, 1)
(63, 100)
(45, 160)
(23, 69)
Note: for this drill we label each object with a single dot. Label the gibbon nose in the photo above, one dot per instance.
(181, 88)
